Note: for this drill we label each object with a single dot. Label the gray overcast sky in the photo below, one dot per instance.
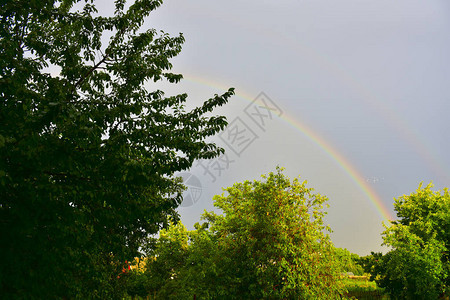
(369, 78)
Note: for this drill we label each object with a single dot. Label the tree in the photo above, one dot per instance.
(418, 265)
(349, 262)
(182, 264)
(165, 261)
(272, 241)
(88, 154)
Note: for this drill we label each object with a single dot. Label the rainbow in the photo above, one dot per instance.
(344, 164)
(395, 121)
(326, 147)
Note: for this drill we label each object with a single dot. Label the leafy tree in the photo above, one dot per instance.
(272, 241)
(349, 262)
(183, 264)
(137, 284)
(418, 265)
(165, 261)
(88, 154)
(372, 264)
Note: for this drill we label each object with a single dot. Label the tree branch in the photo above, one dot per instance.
(80, 81)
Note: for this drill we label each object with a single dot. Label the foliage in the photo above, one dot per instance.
(137, 284)
(269, 243)
(167, 258)
(371, 264)
(364, 284)
(361, 288)
(88, 154)
(272, 240)
(349, 262)
(418, 265)
(183, 263)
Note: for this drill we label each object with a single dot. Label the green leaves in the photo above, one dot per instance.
(418, 266)
(272, 231)
(269, 243)
(88, 153)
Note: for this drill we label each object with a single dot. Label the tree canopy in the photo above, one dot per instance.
(88, 153)
(418, 266)
(269, 243)
(349, 262)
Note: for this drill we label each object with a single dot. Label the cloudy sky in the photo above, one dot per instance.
(350, 95)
